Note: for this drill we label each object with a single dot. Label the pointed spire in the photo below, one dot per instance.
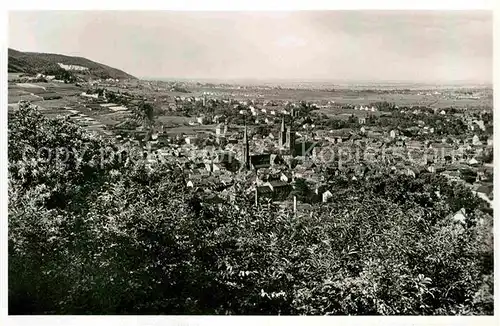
(245, 136)
(290, 138)
(256, 190)
(246, 148)
(282, 138)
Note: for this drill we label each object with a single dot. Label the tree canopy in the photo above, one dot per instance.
(111, 237)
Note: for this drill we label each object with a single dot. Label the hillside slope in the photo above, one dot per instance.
(48, 63)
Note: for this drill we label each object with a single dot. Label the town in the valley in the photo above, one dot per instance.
(335, 162)
(263, 140)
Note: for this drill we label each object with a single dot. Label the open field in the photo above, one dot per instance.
(38, 91)
(31, 86)
(190, 129)
(43, 94)
(27, 88)
(339, 113)
(13, 99)
(359, 97)
(56, 103)
(344, 97)
(173, 120)
(109, 119)
(18, 92)
(13, 75)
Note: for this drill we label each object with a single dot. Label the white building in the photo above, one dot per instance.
(460, 216)
(480, 124)
(72, 67)
(326, 196)
(476, 141)
(473, 161)
(218, 130)
(84, 94)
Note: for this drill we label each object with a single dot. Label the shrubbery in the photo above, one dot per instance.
(104, 239)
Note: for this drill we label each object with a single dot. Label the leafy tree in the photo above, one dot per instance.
(487, 156)
(144, 113)
(301, 190)
(130, 238)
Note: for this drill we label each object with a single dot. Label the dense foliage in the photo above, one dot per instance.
(87, 236)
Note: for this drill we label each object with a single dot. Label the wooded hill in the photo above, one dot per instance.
(48, 63)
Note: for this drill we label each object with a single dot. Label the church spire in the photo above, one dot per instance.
(246, 149)
(282, 133)
(290, 137)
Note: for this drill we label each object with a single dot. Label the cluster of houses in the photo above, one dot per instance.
(227, 160)
(267, 165)
(365, 108)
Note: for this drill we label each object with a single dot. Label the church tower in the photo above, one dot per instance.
(290, 138)
(246, 149)
(282, 133)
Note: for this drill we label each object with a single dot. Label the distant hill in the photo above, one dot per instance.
(49, 64)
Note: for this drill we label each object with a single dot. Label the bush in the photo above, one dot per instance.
(129, 239)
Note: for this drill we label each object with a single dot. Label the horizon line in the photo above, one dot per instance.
(320, 80)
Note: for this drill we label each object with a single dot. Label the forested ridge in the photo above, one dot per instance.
(48, 63)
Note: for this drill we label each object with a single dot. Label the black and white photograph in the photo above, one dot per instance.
(250, 163)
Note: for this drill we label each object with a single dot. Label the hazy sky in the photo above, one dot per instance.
(420, 46)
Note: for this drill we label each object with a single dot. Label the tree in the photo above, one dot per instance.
(301, 190)
(468, 175)
(144, 113)
(487, 156)
(132, 238)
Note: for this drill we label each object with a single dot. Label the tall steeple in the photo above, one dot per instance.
(282, 133)
(246, 149)
(290, 138)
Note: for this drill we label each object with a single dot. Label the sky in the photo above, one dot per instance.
(406, 46)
